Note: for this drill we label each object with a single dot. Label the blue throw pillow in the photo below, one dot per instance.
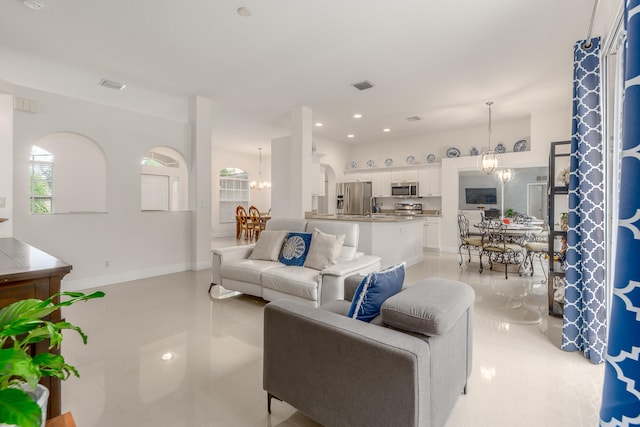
(374, 290)
(295, 249)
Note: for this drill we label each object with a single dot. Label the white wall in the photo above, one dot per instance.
(136, 244)
(6, 163)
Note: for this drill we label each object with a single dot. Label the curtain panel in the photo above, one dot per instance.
(584, 316)
(621, 390)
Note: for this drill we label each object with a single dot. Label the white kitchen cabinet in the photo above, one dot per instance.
(381, 183)
(430, 182)
(409, 175)
(431, 234)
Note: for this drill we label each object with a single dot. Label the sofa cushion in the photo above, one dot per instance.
(269, 245)
(293, 280)
(246, 270)
(374, 290)
(351, 231)
(295, 248)
(430, 307)
(324, 251)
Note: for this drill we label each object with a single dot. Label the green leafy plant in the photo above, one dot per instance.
(23, 324)
(510, 213)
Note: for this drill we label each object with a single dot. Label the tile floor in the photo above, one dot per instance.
(213, 372)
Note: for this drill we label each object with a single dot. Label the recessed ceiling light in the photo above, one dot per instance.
(357, 116)
(167, 356)
(244, 12)
(386, 130)
(34, 4)
(318, 125)
(351, 135)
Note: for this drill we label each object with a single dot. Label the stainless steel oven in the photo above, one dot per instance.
(404, 189)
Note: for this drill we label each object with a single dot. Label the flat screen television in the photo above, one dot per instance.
(481, 196)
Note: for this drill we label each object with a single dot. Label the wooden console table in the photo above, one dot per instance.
(27, 272)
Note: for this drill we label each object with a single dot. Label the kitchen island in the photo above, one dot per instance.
(391, 237)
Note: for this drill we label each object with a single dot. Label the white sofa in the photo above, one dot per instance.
(271, 280)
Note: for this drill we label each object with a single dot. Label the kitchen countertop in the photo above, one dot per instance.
(381, 217)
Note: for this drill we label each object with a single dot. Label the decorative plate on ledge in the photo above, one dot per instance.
(500, 149)
(520, 146)
(371, 164)
(431, 158)
(353, 165)
(388, 162)
(411, 160)
(453, 152)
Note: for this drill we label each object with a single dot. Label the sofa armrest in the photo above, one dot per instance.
(353, 266)
(332, 278)
(221, 255)
(342, 371)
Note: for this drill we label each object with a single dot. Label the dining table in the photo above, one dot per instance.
(264, 216)
(518, 229)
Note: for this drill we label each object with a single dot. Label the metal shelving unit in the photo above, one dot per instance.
(558, 204)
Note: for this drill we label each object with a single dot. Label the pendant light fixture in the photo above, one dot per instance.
(260, 184)
(488, 160)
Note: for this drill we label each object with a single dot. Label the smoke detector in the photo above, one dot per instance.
(111, 84)
(34, 4)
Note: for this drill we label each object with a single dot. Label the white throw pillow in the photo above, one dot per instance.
(269, 245)
(324, 251)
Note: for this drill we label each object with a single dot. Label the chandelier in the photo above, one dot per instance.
(488, 160)
(260, 184)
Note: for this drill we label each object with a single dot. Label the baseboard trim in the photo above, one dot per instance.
(127, 276)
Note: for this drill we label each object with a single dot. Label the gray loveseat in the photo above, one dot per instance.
(233, 268)
(406, 368)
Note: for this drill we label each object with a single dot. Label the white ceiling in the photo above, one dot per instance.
(440, 60)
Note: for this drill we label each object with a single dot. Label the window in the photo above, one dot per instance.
(164, 181)
(234, 191)
(67, 174)
(41, 181)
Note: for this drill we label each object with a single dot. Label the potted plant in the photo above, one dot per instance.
(23, 324)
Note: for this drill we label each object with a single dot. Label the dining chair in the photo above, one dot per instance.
(258, 224)
(467, 241)
(497, 247)
(243, 223)
(538, 247)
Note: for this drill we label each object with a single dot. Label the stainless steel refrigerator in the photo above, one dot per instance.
(353, 198)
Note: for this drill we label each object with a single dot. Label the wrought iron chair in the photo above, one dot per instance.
(498, 249)
(538, 247)
(468, 241)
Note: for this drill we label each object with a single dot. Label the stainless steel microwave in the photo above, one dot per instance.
(405, 189)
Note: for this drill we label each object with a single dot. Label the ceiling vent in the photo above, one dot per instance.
(362, 85)
(34, 4)
(111, 84)
(413, 119)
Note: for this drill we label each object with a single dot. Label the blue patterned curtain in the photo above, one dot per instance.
(621, 392)
(584, 317)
